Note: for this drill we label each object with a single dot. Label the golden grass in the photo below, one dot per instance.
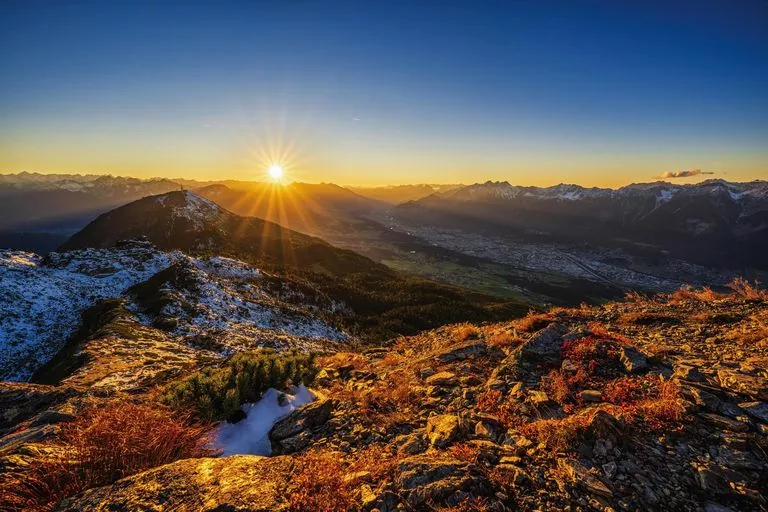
(534, 321)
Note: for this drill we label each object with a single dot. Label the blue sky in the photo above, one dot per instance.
(594, 92)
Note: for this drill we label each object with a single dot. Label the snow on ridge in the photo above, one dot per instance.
(224, 299)
(42, 299)
(666, 195)
(227, 267)
(196, 209)
(18, 259)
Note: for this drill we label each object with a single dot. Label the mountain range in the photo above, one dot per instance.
(540, 245)
(713, 222)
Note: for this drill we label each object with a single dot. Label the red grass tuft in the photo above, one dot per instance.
(100, 447)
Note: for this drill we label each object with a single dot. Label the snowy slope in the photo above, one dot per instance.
(40, 303)
(41, 300)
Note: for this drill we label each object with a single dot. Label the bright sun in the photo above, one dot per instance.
(275, 171)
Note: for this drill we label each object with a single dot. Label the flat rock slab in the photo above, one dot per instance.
(462, 351)
(580, 475)
(442, 379)
(744, 384)
(246, 483)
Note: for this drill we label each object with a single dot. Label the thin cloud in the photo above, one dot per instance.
(685, 173)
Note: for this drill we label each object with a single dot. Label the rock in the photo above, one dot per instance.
(357, 476)
(426, 372)
(702, 398)
(582, 476)
(633, 360)
(748, 385)
(307, 417)
(538, 397)
(609, 469)
(442, 379)
(368, 497)
(461, 351)
(604, 425)
(411, 444)
(542, 349)
(51, 417)
(757, 410)
(295, 443)
(20, 401)
(245, 483)
(712, 481)
(689, 373)
(711, 506)
(483, 429)
(591, 395)
(424, 479)
(725, 423)
(444, 429)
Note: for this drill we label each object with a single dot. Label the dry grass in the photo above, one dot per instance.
(505, 339)
(627, 390)
(650, 403)
(466, 331)
(341, 359)
(690, 294)
(534, 321)
(471, 504)
(707, 318)
(647, 318)
(389, 402)
(392, 359)
(100, 447)
(746, 290)
(560, 434)
(661, 411)
(635, 297)
(494, 403)
(318, 483)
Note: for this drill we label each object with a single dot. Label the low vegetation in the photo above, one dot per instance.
(217, 393)
(101, 446)
(325, 480)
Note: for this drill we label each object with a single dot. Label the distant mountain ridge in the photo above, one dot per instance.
(714, 222)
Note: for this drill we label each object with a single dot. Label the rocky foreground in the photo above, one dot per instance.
(648, 404)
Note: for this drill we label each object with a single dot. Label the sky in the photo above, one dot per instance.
(600, 93)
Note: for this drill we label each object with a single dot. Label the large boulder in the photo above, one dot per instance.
(542, 349)
(444, 429)
(292, 433)
(424, 479)
(633, 360)
(245, 483)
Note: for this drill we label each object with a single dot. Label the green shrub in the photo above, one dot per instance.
(217, 393)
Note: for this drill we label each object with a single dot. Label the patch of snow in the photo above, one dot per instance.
(251, 435)
(221, 300)
(735, 195)
(572, 195)
(666, 195)
(228, 268)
